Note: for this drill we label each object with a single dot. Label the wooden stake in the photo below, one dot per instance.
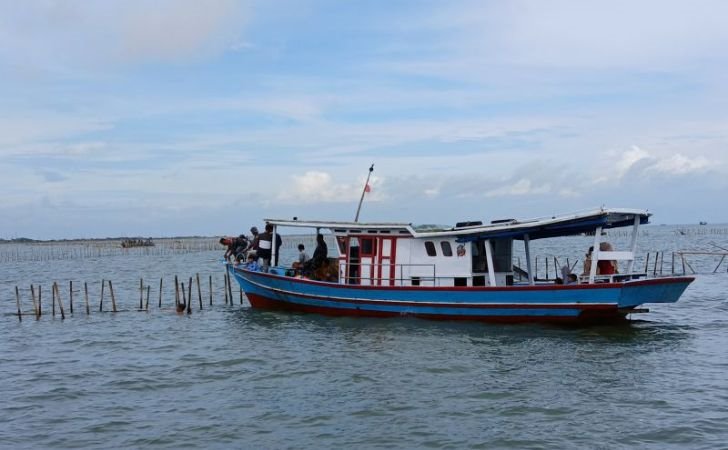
(113, 299)
(17, 300)
(85, 291)
(146, 305)
(230, 288)
(199, 290)
(40, 300)
(53, 298)
(141, 293)
(241, 296)
(176, 292)
(60, 303)
(210, 290)
(70, 295)
(35, 305)
(189, 296)
(101, 300)
(160, 293)
(225, 288)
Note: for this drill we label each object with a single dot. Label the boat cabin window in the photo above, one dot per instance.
(446, 248)
(480, 261)
(367, 247)
(430, 248)
(503, 255)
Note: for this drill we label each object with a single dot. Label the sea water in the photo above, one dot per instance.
(228, 376)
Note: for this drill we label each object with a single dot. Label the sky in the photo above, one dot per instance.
(182, 117)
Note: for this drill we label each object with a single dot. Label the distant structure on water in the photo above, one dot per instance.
(703, 223)
(129, 243)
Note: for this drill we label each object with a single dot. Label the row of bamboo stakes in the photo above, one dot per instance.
(183, 296)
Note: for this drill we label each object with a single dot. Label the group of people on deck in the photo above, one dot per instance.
(604, 266)
(256, 253)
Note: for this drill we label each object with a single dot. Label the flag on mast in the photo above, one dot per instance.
(364, 191)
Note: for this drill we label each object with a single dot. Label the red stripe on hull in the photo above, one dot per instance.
(586, 316)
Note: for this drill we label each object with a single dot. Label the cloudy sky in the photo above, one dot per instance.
(181, 117)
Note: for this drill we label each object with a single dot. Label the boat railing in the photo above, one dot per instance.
(404, 274)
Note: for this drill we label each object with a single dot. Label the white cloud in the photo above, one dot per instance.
(521, 187)
(313, 187)
(52, 34)
(680, 165)
(628, 159)
(649, 34)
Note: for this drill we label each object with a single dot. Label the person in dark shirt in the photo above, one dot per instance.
(321, 254)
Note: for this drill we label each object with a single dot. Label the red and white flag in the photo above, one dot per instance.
(367, 188)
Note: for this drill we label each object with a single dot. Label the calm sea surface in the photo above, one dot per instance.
(232, 377)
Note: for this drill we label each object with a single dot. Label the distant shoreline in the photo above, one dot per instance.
(25, 240)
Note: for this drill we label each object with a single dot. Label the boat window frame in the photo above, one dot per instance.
(430, 249)
(446, 248)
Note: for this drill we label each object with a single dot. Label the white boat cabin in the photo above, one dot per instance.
(469, 254)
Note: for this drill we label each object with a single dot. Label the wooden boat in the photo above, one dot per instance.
(464, 272)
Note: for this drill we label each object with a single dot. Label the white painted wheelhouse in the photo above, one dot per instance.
(469, 254)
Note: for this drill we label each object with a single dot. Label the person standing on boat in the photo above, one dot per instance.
(253, 243)
(279, 242)
(265, 244)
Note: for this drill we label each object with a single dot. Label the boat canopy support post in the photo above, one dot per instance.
(273, 246)
(595, 254)
(489, 257)
(633, 243)
(529, 267)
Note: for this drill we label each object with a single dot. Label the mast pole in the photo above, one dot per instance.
(364, 191)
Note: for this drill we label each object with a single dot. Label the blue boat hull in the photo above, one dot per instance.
(556, 303)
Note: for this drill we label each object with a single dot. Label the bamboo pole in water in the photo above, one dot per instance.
(199, 290)
(17, 300)
(230, 288)
(189, 296)
(60, 302)
(210, 290)
(146, 305)
(101, 298)
(85, 297)
(141, 293)
(70, 295)
(53, 299)
(160, 293)
(225, 288)
(35, 305)
(184, 300)
(176, 292)
(113, 299)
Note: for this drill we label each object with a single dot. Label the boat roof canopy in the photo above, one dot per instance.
(539, 228)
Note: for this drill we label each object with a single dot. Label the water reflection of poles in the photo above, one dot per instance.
(364, 191)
